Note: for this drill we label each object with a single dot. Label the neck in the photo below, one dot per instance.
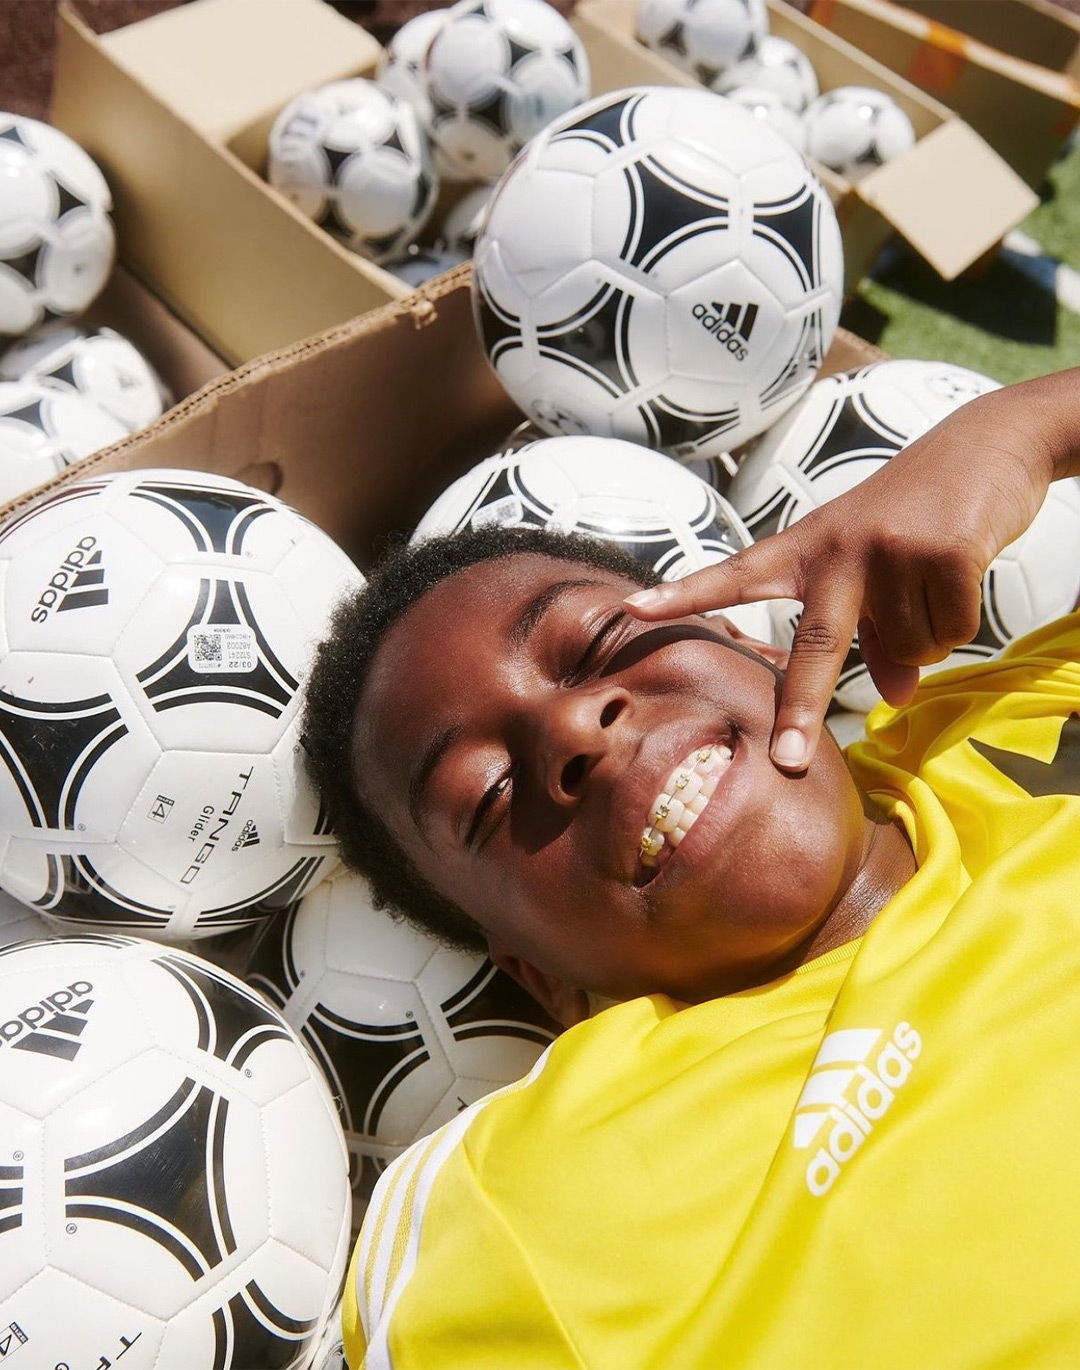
(888, 863)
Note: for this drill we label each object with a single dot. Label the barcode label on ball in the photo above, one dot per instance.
(222, 648)
(11, 1338)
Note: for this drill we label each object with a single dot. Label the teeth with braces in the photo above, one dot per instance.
(680, 803)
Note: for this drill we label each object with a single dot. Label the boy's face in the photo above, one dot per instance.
(515, 732)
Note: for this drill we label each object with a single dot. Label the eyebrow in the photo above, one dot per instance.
(519, 632)
(532, 615)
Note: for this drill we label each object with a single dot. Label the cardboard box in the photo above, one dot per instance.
(951, 197)
(169, 108)
(1009, 68)
(359, 428)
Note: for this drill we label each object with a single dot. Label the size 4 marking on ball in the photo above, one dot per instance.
(11, 1339)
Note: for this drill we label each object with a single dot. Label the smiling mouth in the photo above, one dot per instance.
(679, 805)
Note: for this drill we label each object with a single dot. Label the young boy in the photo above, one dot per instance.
(833, 1117)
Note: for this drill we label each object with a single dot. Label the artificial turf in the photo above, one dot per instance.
(993, 319)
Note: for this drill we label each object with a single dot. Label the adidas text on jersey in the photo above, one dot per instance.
(852, 1085)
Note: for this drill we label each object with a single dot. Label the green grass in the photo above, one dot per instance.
(993, 319)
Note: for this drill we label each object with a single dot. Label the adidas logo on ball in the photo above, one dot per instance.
(730, 324)
(53, 1025)
(77, 583)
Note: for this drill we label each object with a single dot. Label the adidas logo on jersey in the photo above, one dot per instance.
(730, 324)
(852, 1085)
(77, 583)
(53, 1025)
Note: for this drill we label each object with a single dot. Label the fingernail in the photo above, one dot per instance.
(790, 748)
(645, 599)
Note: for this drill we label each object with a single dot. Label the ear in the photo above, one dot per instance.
(778, 656)
(560, 1000)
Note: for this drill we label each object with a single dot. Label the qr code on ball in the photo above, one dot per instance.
(222, 648)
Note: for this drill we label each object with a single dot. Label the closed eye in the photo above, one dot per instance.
(593, 656)
(488, 799)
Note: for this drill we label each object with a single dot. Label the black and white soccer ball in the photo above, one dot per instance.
(777, 65)
(854, 129)
(355, 159)
(174, 1183)
(847, 427)
(155, 628)
(767, 105)
(658, 266)
(44, 429)
(18, 357)
(496, 72)
(401, 71)
(57, 244)
(103, 365)
(702, 37)
(407, 1031)
(664, 515)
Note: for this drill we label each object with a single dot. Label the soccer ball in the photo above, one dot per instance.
(854, 129)
(19, 923)
(420, 264)
(407, 1031)
(154, 629)
(777, 65)
(401, 72)
(662, 514)
(174, 1182)
(767, 105)
(658, 266)
(18, 357)
(844, 430)
(355, 159)
(103, 366)
(496, 72)
(702, 37)
(464, 222)
(43, 429)
(56, 238)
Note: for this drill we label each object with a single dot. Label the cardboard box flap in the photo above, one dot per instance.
(190, 217)
(221, 64)
(953, 165)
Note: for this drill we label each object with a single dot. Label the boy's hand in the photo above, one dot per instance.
(900, 557)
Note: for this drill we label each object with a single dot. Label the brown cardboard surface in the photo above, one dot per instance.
(180, 357)
(333, 424)
(950, 212)
(220, 64)
(235, 260)
(1024, 111)
(1034, 30)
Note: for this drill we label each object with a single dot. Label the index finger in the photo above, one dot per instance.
(820, 647)
(766, 570)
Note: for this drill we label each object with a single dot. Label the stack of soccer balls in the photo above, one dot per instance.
(461, 92)
(64, 393)
(726, 44)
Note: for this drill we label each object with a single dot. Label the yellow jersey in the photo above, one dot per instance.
(874, 1161)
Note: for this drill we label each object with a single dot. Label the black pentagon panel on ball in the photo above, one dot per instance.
(251, 1331)
(79, 892)
(804, 361)
(665, 212)
(11, 134)
(393, 139)
(271, 967)
(26, 264)
(282, 891)
(611, 126)
(593, 340)
(217, 520)
(64, 373)
(770, 516)
(793, 226)
(490, 1003)
(66, 199)
(500, 331)
(33, 414)
(677, 429)
(506, 498)
(49, 749)
(172, 1163)
(231, 1021)
(519, 51)
(674, 39)
(850, 430)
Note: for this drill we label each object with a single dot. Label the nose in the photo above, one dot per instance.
(575, 730)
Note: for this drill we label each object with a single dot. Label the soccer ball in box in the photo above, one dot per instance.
(495, 72)
(174, 1183)
(845, 429)
(155, 627)
(703, 37)
(45, 428)
(407, 1031)
(658, 266)
(56, 238)
(355, 159)
(855, 129)
(664, 515)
